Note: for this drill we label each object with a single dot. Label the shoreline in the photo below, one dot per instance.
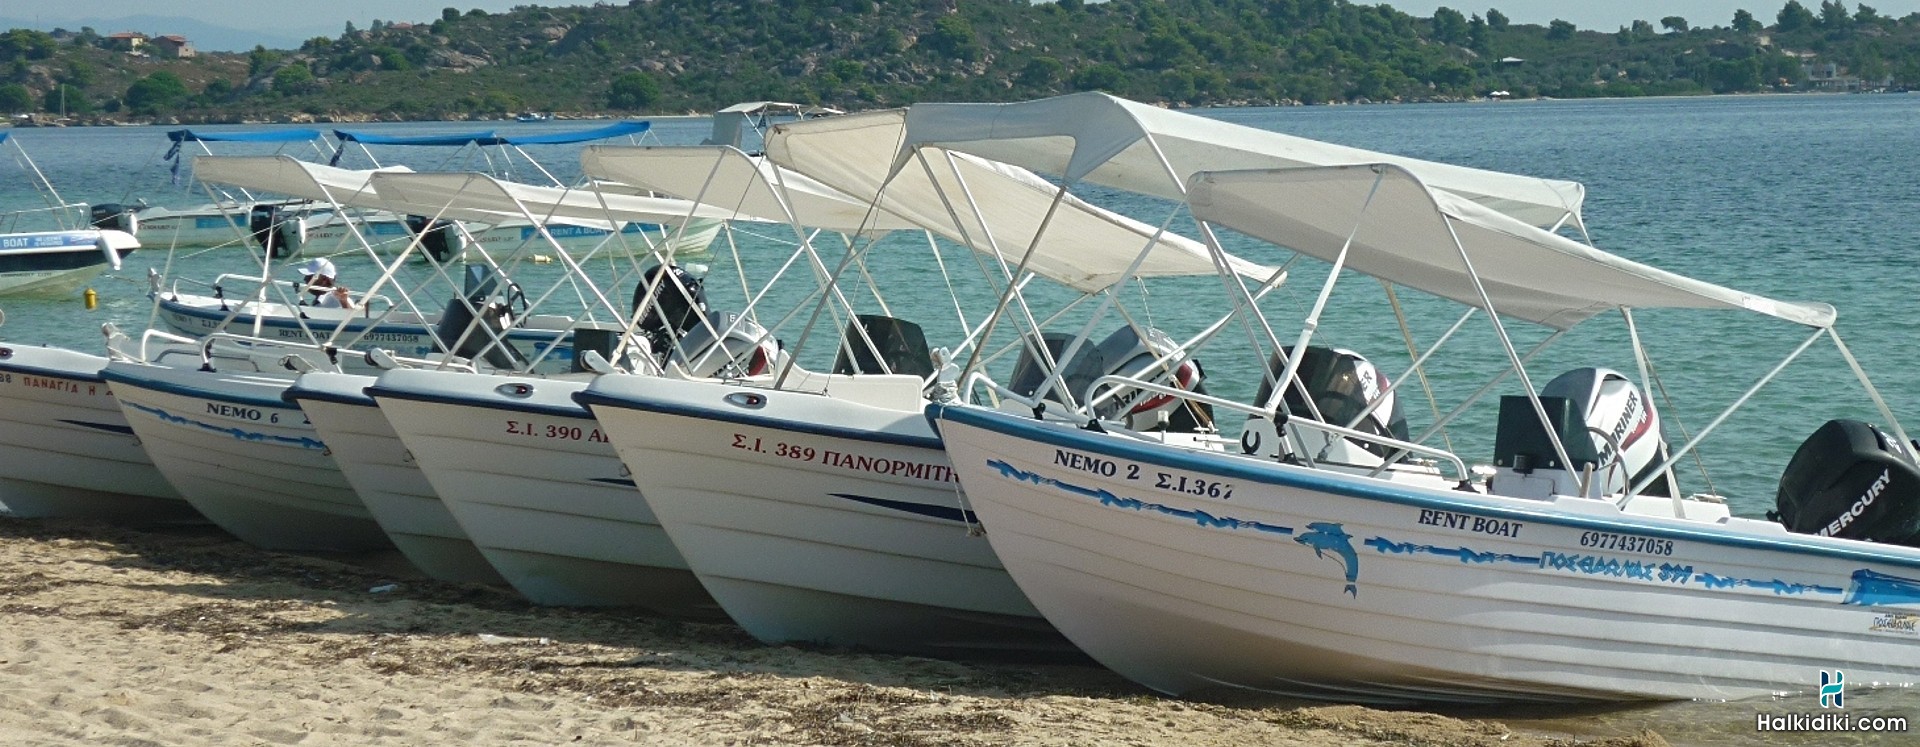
(183, 633)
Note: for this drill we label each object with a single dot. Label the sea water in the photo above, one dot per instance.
(1804, 198)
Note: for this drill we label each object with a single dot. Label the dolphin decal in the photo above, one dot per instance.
(1328, 537)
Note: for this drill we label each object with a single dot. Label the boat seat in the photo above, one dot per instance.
(901, 344)
(458, 325)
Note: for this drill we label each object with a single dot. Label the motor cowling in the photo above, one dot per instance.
(1853, 480)
(283, 234)
(1622, 424)
(441, 238)
(1343, 384)
(115, 216)
(1151, 359)
(742, 348)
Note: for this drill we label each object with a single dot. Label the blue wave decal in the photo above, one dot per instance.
(1328, 537)
(108, 427)
(1463, 554)
(1777, 586)
(615, 481)
(1871, 588)
(922, 509)
(167, 417)
(1108, 499)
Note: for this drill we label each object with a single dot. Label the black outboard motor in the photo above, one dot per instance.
(1850, 479)
(678, 306)
(281, 233)
(439, 238)
(114, 216)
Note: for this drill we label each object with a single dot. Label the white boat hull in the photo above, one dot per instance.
(383, 473)
(66, 449)
(540, 491)
(815, 519)
(246, 459)
(1187, 571)
(403, 333)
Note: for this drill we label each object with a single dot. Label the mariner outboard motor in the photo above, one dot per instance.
(280, 232)
(1343, 385)
(1605, 423)
(440, 239)
(114, 216)
(742, 348)
(1126, 353)
(1622, 424)
(1850, 479)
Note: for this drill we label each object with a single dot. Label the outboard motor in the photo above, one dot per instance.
(743, 349)
(441, 239)
(114, 216)
(1603, 421)
(280, 232)
(1123, 353)
(677, 307)
(1343, 384)
(1126, 353)
(1622, 424)
(1850, 479)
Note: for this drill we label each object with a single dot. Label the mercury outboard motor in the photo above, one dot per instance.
(114, 216)
(440, 238)
(1850, 479)
(281, 233)
(1343, 384)
(1622, 424)
(678, 305)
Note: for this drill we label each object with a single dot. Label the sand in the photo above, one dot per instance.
(185, 636)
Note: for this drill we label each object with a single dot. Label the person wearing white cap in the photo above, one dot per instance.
(319, 275)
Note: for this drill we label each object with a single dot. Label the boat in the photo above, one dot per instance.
(533, 117)
(384, 471)
(816, 505)
(66, 450)
(55, 250)
(386, 477)
(53, 263)
(1328, 555)
(228, 218)
(501, 156)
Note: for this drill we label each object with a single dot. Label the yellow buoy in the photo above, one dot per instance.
(93, 299)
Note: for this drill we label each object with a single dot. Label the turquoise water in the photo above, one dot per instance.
(1798, 198)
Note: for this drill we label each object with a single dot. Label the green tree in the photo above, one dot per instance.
(953, 37)
(1743, 22)
(1793, 17)
(633, 91)
(260, 60)
(156, 93)
(1674, 24)
(1041, 72)
(1559, 30)
(1103, 76)
(1497, 20)
(15, 99)
(1449, 26)
(1865, 16)
(449, 14)
(1834, 16)
(294, 80)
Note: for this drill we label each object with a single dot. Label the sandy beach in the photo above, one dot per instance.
(185, 636)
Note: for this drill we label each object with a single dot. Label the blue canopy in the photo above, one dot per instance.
(256, 136)
(4, 134)
(490, 137)
(182, 137)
